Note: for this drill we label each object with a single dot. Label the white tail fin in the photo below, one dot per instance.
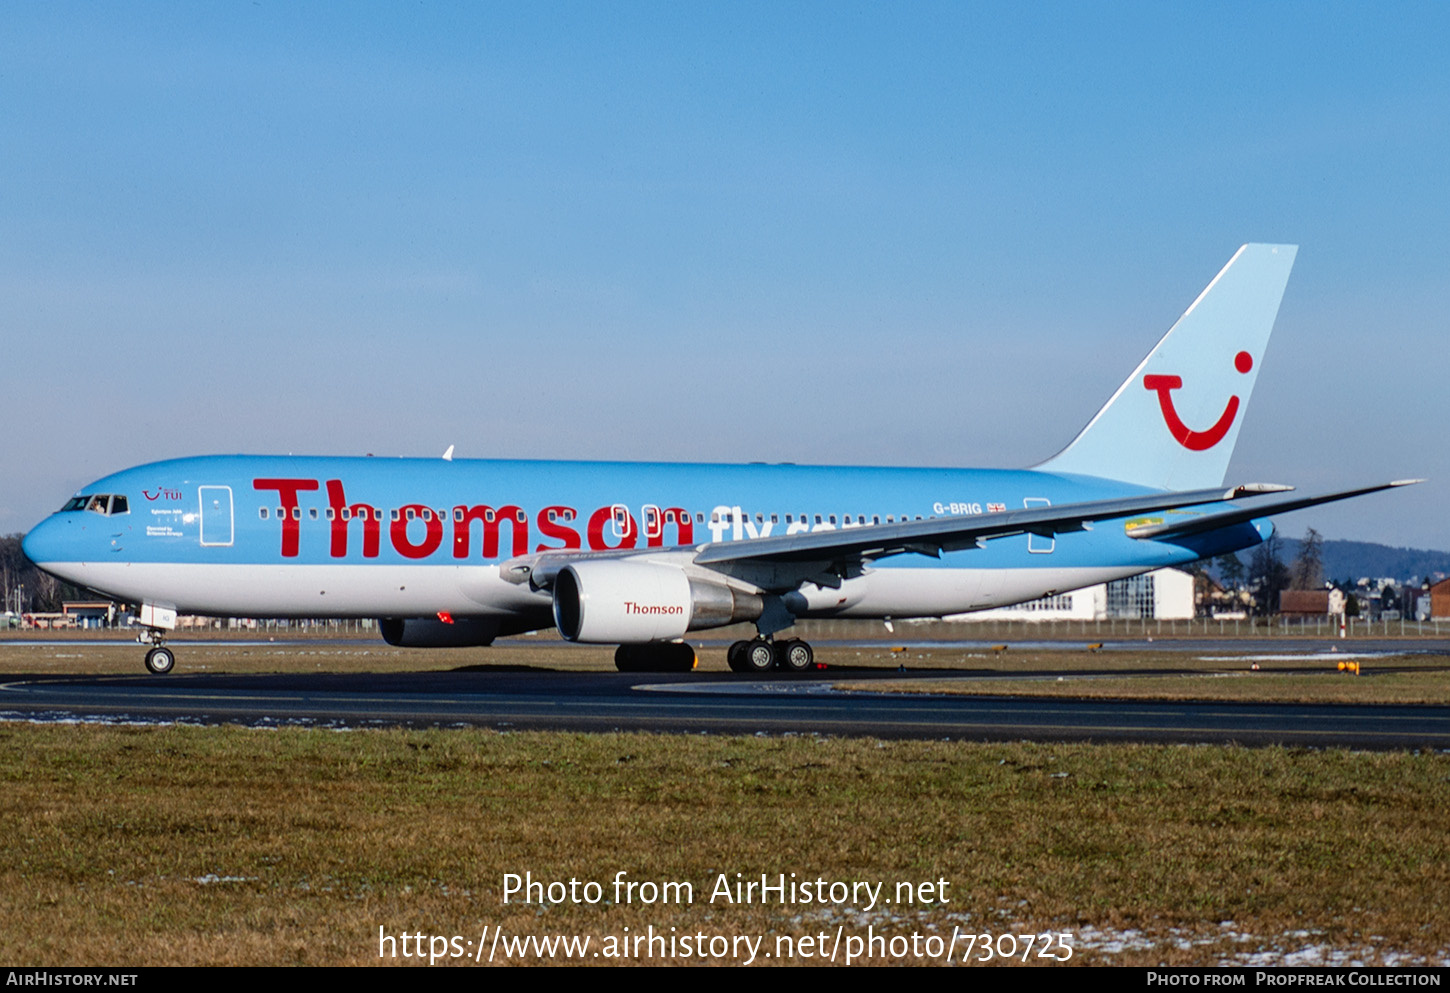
(1174, 422)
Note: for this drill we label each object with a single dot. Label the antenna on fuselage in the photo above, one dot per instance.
(448, 455)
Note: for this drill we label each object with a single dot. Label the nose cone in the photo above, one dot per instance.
(45, 542)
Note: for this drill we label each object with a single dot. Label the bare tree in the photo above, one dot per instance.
(1307, 572)
(42, 592)
(1268, 576)
(1230, 569)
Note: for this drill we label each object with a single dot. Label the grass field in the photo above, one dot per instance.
(185, 845)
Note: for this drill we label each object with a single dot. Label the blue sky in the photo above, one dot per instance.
(912, 234)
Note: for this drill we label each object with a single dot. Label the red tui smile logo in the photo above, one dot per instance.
(1196, 441)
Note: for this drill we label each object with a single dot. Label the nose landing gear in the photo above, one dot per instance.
(159, 660)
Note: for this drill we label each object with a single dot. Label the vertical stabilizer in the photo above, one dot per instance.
(1174, 422)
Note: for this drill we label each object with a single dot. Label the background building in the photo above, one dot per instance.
(1165, 594)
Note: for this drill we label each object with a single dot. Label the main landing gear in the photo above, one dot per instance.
(666, 656)
(762, 655)
(159, 660)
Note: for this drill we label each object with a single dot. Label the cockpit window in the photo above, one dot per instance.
(104, 504)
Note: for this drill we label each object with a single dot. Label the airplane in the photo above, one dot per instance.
(449, 552)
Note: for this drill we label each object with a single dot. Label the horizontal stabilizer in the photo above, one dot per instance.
(1227, 518)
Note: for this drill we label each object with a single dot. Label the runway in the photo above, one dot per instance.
(717, 703)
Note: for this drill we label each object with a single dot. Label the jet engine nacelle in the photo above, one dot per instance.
(426, 632)
(618, 602)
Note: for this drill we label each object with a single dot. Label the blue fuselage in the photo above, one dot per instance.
(388, 537)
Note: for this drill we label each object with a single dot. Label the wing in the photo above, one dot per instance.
(828, 557)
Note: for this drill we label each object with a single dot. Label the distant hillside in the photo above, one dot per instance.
(1353, 560)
